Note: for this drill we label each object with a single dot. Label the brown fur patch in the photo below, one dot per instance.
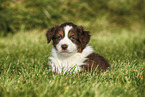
(95, 61)
(73, 36)
(71, 33)
(51, 32)
(58, 36)
(83, 38)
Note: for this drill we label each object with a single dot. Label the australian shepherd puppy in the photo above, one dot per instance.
(70, 52)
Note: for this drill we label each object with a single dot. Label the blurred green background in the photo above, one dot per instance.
(16, 15)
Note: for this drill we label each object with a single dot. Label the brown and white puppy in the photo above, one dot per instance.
(70, 52)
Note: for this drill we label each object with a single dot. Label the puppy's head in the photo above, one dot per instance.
(68, 38)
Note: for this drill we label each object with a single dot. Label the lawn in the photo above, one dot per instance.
(24, 66)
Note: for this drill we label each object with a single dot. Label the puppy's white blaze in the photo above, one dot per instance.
(67, 29)
(72, 48)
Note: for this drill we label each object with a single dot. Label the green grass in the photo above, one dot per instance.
(24, 67)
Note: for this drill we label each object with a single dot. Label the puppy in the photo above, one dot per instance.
(70, 52)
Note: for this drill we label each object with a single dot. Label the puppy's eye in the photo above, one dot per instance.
(72, 38)
(59, 37)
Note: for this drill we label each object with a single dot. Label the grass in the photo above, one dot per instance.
(24, 67)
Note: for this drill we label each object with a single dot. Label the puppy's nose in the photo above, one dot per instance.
(64, 46)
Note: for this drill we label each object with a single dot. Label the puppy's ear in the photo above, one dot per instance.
(50, 33)
(84, 37)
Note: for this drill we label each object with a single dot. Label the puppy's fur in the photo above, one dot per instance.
(70, 52)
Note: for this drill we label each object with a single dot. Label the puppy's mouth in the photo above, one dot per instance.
(65, 52)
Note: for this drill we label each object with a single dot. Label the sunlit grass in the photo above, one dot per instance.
(24, 66)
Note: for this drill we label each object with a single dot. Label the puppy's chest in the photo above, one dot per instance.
(65, 64)
(71, 61)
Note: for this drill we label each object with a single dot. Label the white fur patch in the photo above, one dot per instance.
(67, 29)
(70, 63)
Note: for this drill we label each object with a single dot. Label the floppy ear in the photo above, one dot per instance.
(84, 37)
(50, 33)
